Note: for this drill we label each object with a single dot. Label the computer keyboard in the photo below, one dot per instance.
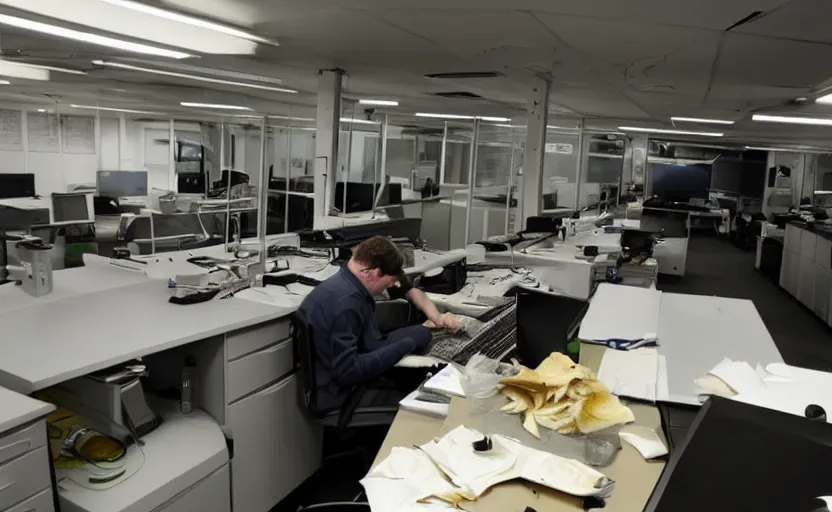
(495, 340)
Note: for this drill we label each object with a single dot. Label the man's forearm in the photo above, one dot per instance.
(421, 301)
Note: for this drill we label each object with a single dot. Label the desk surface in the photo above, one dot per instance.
(635, 477)
(17, 410)
(697, 331)
(53, 342)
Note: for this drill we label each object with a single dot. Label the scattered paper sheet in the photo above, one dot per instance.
(621, 312)
(411, 403)
(645, 440)
(631, 373)
(447, 381)
(738, 375)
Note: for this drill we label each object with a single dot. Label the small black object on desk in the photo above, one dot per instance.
(815, 412)
(483, 445)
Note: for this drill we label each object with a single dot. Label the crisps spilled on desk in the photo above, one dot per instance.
(562, 396)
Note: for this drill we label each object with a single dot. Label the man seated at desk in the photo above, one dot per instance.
(349, 346)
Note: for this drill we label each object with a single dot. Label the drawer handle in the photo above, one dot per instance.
(272, 350)
(27, 442)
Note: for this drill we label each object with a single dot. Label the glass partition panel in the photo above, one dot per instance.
(359, 145)
(292, 182)
(496, 161)
(601, 169)
(560, 164)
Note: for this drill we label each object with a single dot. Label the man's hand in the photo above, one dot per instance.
(448, 321)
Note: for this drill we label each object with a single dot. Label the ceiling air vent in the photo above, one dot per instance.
(458, 95)
(471, 74)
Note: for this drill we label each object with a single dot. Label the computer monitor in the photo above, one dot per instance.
(678, 183)
(17, 185)
(743, 457)
(70, 208)
(121, 183)
(546, 322)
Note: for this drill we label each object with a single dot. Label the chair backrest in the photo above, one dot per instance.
(303, 344)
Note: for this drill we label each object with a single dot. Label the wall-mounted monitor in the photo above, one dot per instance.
(121, 183)
(680, 183)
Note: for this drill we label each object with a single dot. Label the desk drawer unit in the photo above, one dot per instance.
(256, 370)
(276, 447)
(24, 477)
(16, 443)
(792, 238)
(823, 253)
(41, 502)
(246, 341)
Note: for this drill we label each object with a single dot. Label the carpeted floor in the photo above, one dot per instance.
(715, 267)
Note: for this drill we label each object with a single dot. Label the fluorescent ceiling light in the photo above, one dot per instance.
(293, 118)
(112, 109)
(441, 116)
(41, 110)
(183, 67)
(456, 116)
(357, 121)
(87, 37)
(701, 120)
(383, 103)
(191, 20)
(119, 65)
(668, 132)
(510, 125)
(552, 127)
(5, 82)
(15, 70)
(789, 150)
(826, 100)
(54, 68)
(212, 105)
(816, 121)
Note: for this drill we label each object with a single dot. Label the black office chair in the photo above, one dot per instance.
(350, 415)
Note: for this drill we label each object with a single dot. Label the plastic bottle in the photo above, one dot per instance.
(188, 375)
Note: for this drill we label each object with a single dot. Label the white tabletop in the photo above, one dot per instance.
(27, 203)
(697, 331)
(50, 343)
(17, 410)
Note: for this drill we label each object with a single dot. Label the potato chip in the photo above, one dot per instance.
(530, 424)
(562, 396)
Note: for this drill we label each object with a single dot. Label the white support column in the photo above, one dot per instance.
(326, 140)
(263, 196)
(536, 119)
(579, 178)
(172, 156)
(443, 155)
(472, 176)
(122, 141)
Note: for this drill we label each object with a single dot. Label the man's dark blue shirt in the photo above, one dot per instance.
(348, 342)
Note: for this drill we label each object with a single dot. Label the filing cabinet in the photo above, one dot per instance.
(25, 481)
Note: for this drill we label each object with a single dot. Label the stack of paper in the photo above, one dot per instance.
(447, 382)
(412, 403)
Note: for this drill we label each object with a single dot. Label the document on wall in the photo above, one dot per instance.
(11, 130)
(43, 132)
(78, 134)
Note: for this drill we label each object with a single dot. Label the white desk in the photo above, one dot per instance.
(17, 410)
(696, 332)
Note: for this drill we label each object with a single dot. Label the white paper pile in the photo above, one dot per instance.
(633, 373)
(444, 472)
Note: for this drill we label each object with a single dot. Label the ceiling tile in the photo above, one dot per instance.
(805, 20)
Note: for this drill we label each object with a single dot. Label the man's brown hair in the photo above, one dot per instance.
(379, 252)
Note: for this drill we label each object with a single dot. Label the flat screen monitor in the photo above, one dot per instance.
(17, 185)
(121, 183)
(679, 183)
(727, 175)
(546, 322)
(360, 196)
(70, 208)
(742, 457)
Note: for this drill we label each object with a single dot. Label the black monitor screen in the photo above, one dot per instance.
(679, 183)
(742, 457)
(121, 183)
(70, 207)
(17, 185)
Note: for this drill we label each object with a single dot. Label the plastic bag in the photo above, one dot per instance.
(480, 380)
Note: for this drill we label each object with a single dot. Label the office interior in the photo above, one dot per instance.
(174, 187)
